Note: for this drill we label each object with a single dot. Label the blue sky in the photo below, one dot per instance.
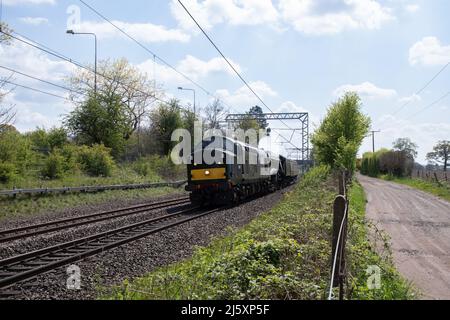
(299, 55)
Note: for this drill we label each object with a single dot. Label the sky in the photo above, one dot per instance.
(298, 55)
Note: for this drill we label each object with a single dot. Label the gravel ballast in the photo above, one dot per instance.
(131, 260)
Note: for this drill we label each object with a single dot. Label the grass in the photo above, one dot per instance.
(123, 175)
(440, 190)
(283, 254)
(25, 206)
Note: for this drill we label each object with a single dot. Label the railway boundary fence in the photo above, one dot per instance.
(88, 189)
(339, 239)
(431, 176)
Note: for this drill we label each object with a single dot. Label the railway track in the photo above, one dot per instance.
(29, 265)
(58, 225)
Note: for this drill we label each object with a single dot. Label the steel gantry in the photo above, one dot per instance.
(302, 149)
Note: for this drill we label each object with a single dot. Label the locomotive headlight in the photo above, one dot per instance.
(207, 173)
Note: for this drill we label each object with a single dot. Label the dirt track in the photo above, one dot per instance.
(419, 226)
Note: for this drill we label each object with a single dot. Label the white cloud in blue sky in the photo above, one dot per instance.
(299, 55)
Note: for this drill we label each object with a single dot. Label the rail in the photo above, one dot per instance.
(87, 189)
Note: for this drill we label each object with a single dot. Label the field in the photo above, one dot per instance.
(284, 254)
(440, 189)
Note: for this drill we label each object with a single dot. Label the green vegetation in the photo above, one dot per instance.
(283, 254)
(23, 206)
(337, 140)
(441, 189)
(391, 162)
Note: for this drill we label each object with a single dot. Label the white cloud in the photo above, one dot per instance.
(145, 32)
(411, 99)
(429, 52)
(32, 2)
(244, 98)
(412, 8)
(35, 109)
(289, 106)
(35, 21)
(235, 12)
(33, 62)
(199, 69)
(365, 89)
(320, 17)
(194, 68)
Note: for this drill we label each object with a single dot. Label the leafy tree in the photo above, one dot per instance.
(46, 141)
(116, 79)
(101, 120)
(440, 154)
(258, 112)
(406, 145)
(165, 119)
(214, 114)
(341, 133)
(249, 122)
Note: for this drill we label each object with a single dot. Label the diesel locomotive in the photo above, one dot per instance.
(239, 171)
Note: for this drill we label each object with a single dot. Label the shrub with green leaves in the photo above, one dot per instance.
(96, 160)
(54, 167)
(7, 172)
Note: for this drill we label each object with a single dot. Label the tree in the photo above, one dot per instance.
(440, 154)
(253, 120)
(164, 120)
(101, 120)
(117, 79)
(340, 135)
(406, 145)
(215, 113)
(4, 38)
(7, 114)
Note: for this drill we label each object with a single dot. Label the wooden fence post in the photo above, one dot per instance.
(339, 214)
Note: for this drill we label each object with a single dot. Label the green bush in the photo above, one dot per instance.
(96, 161)
(143, 167)
(7, 172)
(54, 167)
(16, 149)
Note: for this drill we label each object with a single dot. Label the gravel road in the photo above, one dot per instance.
(419, 226)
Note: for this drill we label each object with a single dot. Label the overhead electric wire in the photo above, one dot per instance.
(58, 55)
(233, 68)
(41, 80)
(422, 89)
(36, 90)
(155, 56)
(430, 105)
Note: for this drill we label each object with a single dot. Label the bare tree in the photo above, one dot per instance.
(7, 114)
(4, 37)
(117, 78)
(215, 113)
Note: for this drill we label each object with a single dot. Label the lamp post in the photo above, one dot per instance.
(187, 89)
(95, 37)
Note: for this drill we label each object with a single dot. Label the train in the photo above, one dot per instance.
(234, 177)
